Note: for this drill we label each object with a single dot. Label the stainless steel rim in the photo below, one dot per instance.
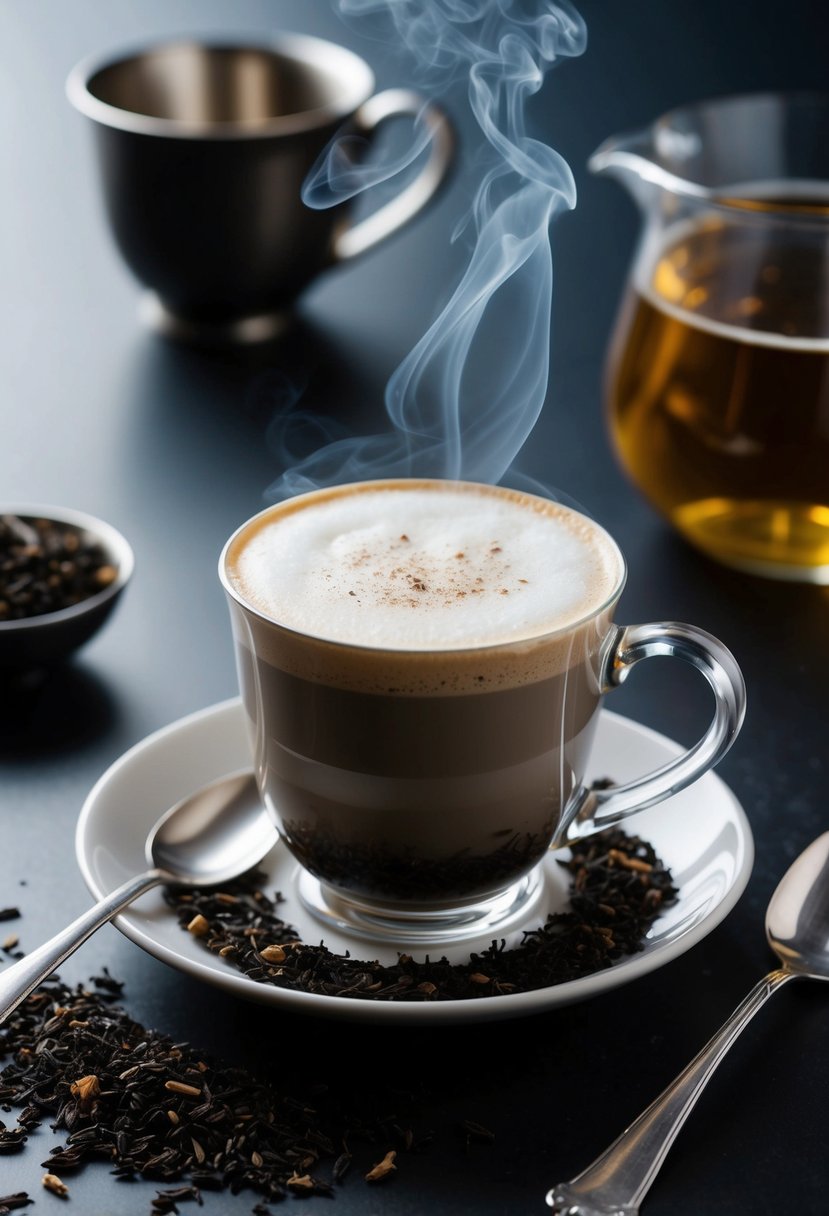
(356, 76)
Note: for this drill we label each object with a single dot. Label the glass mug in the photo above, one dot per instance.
(717, 379)
(420, 779)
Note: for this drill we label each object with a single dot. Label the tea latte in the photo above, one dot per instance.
(418, 660)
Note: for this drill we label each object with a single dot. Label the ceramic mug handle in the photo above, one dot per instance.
(395, 103)
(591, 810)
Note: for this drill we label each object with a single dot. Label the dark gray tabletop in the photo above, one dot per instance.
(173, 446)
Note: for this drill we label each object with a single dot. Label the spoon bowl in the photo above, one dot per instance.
(797, 929)
(213, 835)
(797, 919)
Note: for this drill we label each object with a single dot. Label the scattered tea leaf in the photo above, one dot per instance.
(618, 888)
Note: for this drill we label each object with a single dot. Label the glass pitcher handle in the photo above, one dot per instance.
(591, 810)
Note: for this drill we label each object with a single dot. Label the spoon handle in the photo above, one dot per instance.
(18, 981)
(618, 1180)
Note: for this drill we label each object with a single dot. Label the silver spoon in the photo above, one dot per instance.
(211, 836)
(797, 928)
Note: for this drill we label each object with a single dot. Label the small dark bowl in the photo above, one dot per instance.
(46, 639)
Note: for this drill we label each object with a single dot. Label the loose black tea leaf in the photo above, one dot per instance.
(9, 1203)
(106, 983)
(152, 1108)
(148, 1107)
(619, 886)
(475, 1131)
(167, 1201)
(402, 876)
(46, 566)
(12, 1141)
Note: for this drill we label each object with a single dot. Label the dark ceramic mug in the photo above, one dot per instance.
(203, 149)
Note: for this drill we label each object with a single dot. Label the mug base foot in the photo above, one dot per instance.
(242, 331)
(373, 922)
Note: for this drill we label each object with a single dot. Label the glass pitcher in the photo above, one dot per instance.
(717, 378)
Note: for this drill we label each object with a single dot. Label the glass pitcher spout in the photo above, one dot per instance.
(647, 161)
(713, 150)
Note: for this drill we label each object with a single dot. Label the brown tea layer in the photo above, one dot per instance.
(419, 673)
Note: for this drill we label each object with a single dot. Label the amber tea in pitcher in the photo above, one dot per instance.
(717, 380)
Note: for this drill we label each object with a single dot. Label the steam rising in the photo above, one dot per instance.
(445, 422)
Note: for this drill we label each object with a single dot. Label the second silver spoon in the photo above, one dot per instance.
(797, 928)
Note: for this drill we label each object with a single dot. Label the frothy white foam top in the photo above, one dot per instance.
(419, 569)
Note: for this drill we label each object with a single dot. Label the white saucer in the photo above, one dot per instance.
(701, 834)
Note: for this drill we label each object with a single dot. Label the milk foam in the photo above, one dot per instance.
(423, 566)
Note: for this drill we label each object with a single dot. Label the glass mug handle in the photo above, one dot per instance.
(591, 810)
(396, 103)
